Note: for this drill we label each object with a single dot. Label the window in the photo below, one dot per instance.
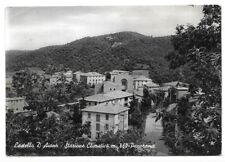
(126, 98)
(106, 126)
(98, 118)
(95, 103)
(89, 135)
(89, 115)
(98, 135)
(97, 127)
(114, 89)
(107, 117)
(110, 89)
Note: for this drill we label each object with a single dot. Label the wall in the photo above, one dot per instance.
(115, 122)
(15, 105)
(140, 83)
(102, 122)
(129, 78)
(92, 80)
(109, 86)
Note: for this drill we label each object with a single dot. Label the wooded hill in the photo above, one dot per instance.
(123, 50)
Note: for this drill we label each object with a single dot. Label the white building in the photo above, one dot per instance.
(140, 81)
(152, 86)
(76, 75)
(54, 79)
(114, 97)
(180, 87)
(16, 104)
(92, 78)
(68, 76)
(105, 117)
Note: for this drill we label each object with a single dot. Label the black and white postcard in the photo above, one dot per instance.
(113, 80)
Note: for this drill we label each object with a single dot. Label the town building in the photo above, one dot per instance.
(9, 83)
(114, 73)
(114, 97)
(36, 70)
(176, 84)
(68, 76)
(105, 117)
(109, 86)
(76, 76)
(54, 79)
(16, 104)
(152, 87)
(180, 87)
(92, 78)
(140, 81)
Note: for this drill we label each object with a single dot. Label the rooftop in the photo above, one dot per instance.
(106, 108)
(108, 96)
(118, 72)
(142, 78)
(171, 107)
(78, 72)
(138, 93)
(151, 84)
(91, 74)
(15, 98)
(175, 84)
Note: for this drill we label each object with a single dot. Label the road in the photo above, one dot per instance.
(153, 133)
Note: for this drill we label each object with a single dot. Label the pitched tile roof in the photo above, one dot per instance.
(108, 96)
(175, 84)
(151, 84)
(142, 78)
(106, 108)
(91, 74)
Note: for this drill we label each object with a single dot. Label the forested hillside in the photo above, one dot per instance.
(123, 50)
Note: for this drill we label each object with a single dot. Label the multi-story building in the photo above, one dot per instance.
(180, 87)
(76, 76)
(114, 97)
(114, 73)
(105, 117)
(16, 104)
(140, 81)
(151, 86)
(92, 78)
(55, 78)
(68, 76)
(109, 86)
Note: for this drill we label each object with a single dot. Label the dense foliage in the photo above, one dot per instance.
(193, 127)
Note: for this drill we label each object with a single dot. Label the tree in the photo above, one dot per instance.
(199, 48)
(146, 102)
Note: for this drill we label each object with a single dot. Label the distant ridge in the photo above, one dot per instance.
(122, 50)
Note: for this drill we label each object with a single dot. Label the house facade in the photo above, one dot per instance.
(105, 117)
(15, 104)
(76, 76)
(92, 78)
(140, 81)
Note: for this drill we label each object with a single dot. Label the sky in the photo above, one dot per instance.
(29, 28)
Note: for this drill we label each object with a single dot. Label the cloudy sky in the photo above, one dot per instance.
(35, 27)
